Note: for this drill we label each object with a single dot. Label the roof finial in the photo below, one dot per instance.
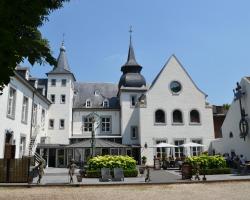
(63, 39)
(62, 46)
(130, 32)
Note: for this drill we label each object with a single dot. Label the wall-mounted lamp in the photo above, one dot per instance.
(145, 145)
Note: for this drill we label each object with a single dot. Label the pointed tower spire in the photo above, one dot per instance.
(131, 69)
(62, 66)
(131, 61)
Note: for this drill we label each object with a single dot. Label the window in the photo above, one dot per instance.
(43, 118)
(177, 116)
(134, 132)
(88, 103)
(61, 124)
(106, 124)
(64, 82)
(114, 151)
(160, 116)
(194, 116)
(105, 103)
(22, 146)
(43, 140)
(133, 100)
(87, 124)
(175, 87)
(51, 124)
(52, 98)
(196, 150)
(53, 82)
(231, 135)
(63, 98)
(11, 103)
(34, 116)
(25, 109)
(179, 151)
(160, 151)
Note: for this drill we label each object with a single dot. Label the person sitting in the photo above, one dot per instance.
(242, 160)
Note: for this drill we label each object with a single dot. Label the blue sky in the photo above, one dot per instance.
(211, 38)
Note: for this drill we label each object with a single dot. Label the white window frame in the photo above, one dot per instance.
(34, 115)
(22, 146)
(53, 82)
(132, 128)
(60, 125)
(25, 107)
(88, 103)
(133, 102)
(104, 124)
(195, 151)
(11, 106)
(179, 151)
(64, 82)
(43, 113)
(63, 102)
(51, 120)
(86, 124)
(105, 103)
(54, 101)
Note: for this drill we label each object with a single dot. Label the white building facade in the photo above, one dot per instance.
(231, 141)
(132, 115)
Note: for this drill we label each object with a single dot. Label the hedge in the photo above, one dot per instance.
(216, 171)
(108, 161)
(97, 173)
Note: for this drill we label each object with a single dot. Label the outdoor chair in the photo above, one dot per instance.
(105, 175)
(118, 174)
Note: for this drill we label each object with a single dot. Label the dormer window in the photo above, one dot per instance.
(88, 103)
(105, 103)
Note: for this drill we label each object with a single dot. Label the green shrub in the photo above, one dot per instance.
(97, 173)
(207, 162)
(108, 161)
(130, 173)
(93, 173)
(216, 171)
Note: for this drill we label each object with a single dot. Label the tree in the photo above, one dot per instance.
(19, 34)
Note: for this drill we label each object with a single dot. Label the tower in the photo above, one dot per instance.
(60, 92)
(131, 86)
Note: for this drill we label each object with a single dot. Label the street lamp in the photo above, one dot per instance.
(95, 121)
(243, 124)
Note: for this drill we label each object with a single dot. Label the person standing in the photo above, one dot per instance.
(147, 178)
(71, 167)
(40, 169)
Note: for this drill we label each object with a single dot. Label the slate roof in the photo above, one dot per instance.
(96, 93)
(99, 143)
(62, 66)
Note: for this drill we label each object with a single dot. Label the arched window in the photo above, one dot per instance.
(177, 116)
(194, 116)
(160, 116)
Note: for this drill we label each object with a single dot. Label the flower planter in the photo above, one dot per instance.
(79, 178)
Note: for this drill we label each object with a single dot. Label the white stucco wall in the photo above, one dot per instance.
(60, 111)
(19, 128)
(78, 130)
(231, 124)
(161, 97)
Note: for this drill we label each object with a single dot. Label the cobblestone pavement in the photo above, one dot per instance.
(201, 191)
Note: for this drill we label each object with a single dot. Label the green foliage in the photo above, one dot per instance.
(207, 162)
(97, 173)
(124, 162)
(20, 37)
(216, 171)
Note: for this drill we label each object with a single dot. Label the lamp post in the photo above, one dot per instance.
(95, 121)
(243, 124)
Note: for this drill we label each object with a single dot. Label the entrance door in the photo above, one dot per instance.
(52, 158)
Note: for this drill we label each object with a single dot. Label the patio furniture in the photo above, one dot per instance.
(105, 175)
(118, 174)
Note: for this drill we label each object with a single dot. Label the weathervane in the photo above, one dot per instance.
(63, 38)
